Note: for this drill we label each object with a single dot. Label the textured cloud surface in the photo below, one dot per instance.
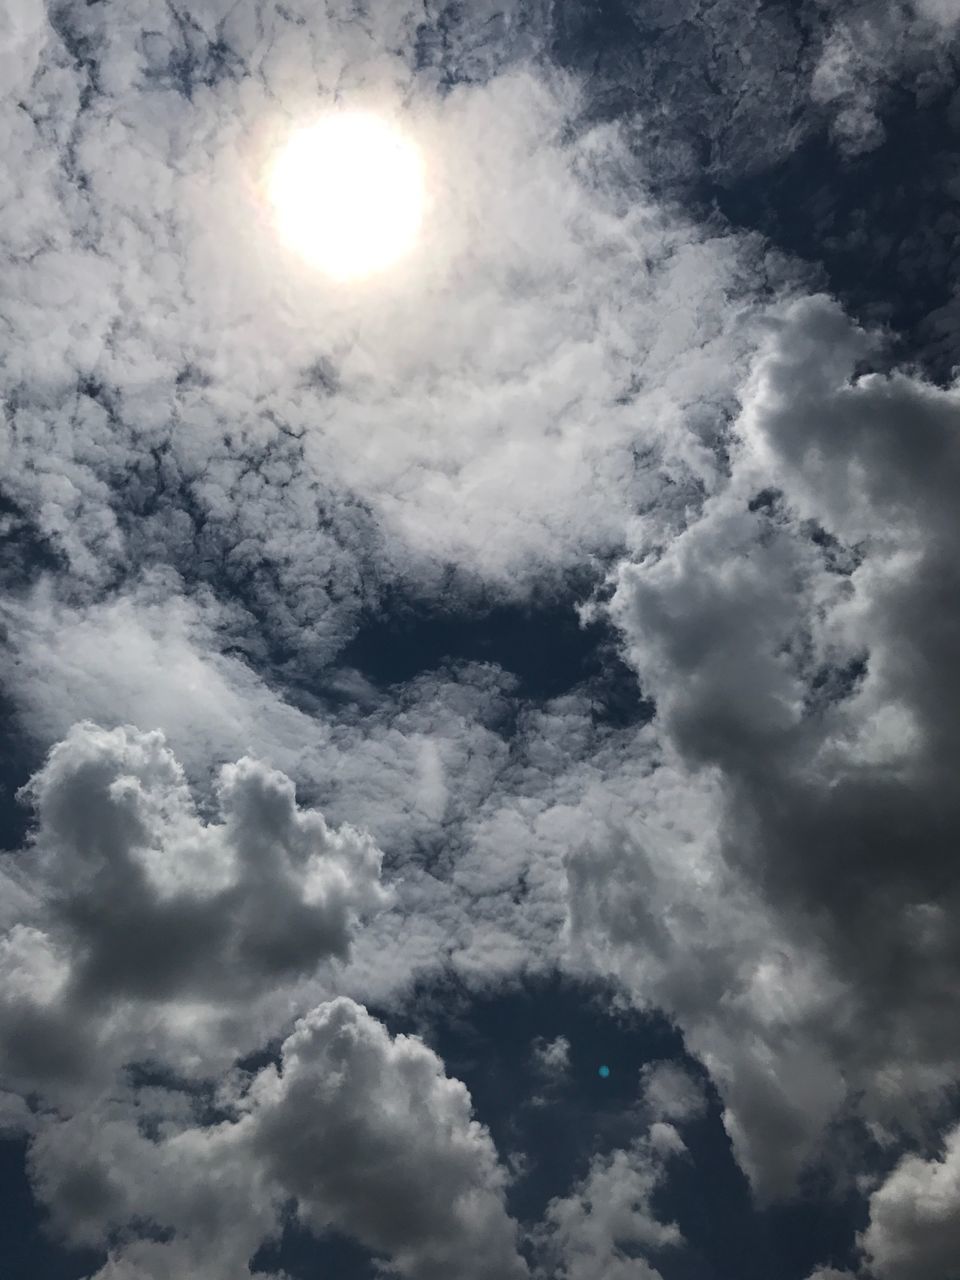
(913, 1217)
(139, 919)
(272, 822)
(362, 1132)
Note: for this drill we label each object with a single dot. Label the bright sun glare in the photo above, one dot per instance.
(348, 194)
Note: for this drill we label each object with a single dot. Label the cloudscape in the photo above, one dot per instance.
(479, 617)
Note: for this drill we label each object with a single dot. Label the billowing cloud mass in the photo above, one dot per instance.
(599, 1228)
(914, 1216)
(280, 780)
(202, 916)
(364, 1133)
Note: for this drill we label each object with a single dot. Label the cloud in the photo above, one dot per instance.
(23, 33)
(778, 636)
(944, 11)
(871, 49)
(914, 1228)
(671, 1092)
(694, 78)
(552, 1057)
(371, 1136)
(205, 402)
(221, 465)
(201, 913)
(648, 835)
(851, 76)
(607, 1224)
(363, 1132)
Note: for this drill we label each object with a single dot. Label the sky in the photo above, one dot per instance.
(423, 689)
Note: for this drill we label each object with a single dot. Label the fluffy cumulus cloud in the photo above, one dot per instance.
(912, 1233)
(914, 1216)
(369, 1135)
(607, 1225)
(362, 1132)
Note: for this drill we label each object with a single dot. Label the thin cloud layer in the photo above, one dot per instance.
(913, 1227)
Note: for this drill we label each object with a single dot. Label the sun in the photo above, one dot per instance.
(348, 194)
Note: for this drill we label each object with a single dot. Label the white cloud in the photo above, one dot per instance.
(672, 1092)
(607, 1224)
(193, 420)
(369, 1135)
(364, 1132)
(205, 401)
(831, 833)
(633, 829)
(552, 1057)
(204, 917)
(914, 1228)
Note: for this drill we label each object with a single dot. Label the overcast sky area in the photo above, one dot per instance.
(421, 691)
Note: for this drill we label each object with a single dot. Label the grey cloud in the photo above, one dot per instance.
(187, 1198)
(268, 891)
(23, 33)
(552, 1057)
(369, 1135)
(835, 808)
(206, 439)
(871, 49)
(474, 44)
(914, 1228)
(471, 804)
(364, 1132)
(697, 77)
(554, 380)
(207, 912)
(607, 1225)
(672, 1092)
